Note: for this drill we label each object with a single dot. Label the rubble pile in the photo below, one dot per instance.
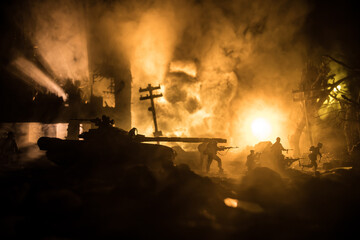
(134, 201)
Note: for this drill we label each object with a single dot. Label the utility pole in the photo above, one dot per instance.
(151, 96)
(304, 96)
(308, 126)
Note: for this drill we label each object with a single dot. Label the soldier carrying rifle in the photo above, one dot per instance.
(277, 149)
(211, 153)
(251, 160)
(315, 151)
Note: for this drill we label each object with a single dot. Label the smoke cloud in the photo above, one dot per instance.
(220, 64)
(58, 34)
(248, 56)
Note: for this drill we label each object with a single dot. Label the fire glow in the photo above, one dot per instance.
(331, 105)
(261, 123)
(187, 67)
(215, 66)
(149, 52)
(261, 128)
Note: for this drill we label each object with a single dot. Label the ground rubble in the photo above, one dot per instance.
(52, 202)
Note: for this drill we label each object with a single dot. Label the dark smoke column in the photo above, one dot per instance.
(107, 61)
(122, 114)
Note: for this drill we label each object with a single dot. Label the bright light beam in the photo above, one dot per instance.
(33, 72)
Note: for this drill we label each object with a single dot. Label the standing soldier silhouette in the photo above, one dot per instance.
(9, 148)
(250, 160)
(202, 149)
(211, 151)
(276, 150)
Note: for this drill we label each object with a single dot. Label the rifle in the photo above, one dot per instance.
(224, 148)
(287, 149)
(289, 161)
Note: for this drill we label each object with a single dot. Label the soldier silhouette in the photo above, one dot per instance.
(276, 150)
(211, 152)
(315, 151)
(9, 148)
(103, 122)
(251, 160)
(202, 149)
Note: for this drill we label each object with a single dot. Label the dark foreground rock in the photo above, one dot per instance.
(174, 203)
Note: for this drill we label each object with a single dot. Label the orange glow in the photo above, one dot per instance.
(187, 67)
(211, 102)
(149, 51)
(247, 206)
(230, 202)
(35, 130)
(151, 48)
(261, 128)
(261, 123)
(331, 104)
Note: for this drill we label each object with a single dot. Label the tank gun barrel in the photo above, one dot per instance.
(48, 143)
(178, 139)
(224, 148)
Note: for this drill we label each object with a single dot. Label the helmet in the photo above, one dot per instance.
(277, 139)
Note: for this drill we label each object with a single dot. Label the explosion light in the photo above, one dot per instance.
(332, 105)
(187, 67)
(261, 128)
(337, 89)
(259, 122)
(230, 202)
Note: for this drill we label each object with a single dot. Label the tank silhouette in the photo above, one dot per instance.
(108, 144)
